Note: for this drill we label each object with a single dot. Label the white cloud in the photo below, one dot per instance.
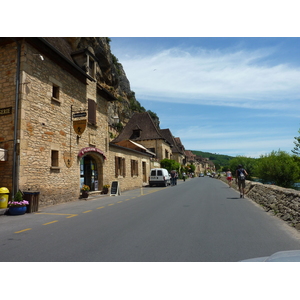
(213, 77)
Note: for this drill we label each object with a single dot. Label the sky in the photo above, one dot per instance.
(223, 75)
(224, 95)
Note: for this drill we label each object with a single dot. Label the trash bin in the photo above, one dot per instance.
(33, 199)
(4, 197)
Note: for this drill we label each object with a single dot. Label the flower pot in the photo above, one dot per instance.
(84, 194)
(105, 191)
(17, 210)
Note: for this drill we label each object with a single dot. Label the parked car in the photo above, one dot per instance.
(159, 176)
(201, 175)
(281, 256)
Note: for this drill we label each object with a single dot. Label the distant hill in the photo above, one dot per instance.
(220, 159)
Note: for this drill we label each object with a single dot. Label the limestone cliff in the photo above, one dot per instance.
(111, 76)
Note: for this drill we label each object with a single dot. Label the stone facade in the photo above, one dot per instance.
(8, 59)
(51, 157)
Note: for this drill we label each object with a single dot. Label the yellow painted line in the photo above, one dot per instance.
(127, 199)
(100, 207)
(23, 230)
(71, 216)
(50, 222)
(87, 211)
(111, 204)
(54, 214)
(120, 202)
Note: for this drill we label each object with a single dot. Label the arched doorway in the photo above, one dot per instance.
(91, 172)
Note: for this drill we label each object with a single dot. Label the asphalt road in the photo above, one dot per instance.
(200, 220)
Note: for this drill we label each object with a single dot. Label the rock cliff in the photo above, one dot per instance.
(112, 77)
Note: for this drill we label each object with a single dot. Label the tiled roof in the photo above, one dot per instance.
(143, 123)
(166, 133)
(179, 144)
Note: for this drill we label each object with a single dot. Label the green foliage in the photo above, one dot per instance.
(18, 197)
(135, 105)
(248, 164)
(119, 127)
(190, 168)
(170, 164)
(279, 168)
(217, 159)
(296, 149)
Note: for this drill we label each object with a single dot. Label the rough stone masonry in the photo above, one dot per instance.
(282, 202)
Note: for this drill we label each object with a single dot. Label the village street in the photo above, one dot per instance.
(200, 220)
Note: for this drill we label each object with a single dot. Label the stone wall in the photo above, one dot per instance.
(282, 202)
(8, 60)
(47, 93)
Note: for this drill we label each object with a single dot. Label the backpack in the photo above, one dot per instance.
(242, 175)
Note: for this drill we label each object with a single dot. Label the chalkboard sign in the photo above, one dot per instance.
(114, 190)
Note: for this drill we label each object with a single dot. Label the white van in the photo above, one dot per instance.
(159, 176)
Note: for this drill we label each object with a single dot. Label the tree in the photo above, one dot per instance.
(170, 164)
(296, 149)
(279, 168)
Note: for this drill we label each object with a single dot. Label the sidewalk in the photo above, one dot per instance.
(130, 193)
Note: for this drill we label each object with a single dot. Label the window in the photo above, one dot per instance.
(54, 158)
(120, 166)
(55, 91)
(166, 154)
(134, 168)
(92, 106)
(136, 133)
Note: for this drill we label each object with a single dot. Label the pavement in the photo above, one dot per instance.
(130, 193)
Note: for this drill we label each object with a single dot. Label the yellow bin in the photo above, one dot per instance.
(4, 197)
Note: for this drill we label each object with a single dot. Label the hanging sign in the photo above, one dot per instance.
(79, 126)
(79, 115)
(68, 159)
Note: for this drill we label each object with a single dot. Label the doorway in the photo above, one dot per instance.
(89, 173)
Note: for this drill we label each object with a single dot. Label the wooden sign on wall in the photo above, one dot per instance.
(68, 159)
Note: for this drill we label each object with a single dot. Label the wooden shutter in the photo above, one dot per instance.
(116, 166)
(92, 111)
(136, 168)
(123, 167)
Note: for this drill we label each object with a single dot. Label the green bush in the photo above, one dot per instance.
(279, 168)
(170, 164)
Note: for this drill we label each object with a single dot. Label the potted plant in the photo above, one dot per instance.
(17, 206)
(85, 191)
(105, 188)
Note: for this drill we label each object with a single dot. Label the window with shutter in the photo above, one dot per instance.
(124, 168)
(92, 112)
(134, 168)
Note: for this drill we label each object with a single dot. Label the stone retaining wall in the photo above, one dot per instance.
(282, 202)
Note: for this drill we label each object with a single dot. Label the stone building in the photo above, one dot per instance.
(176, 147)
(55, 125)
(141, 129)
